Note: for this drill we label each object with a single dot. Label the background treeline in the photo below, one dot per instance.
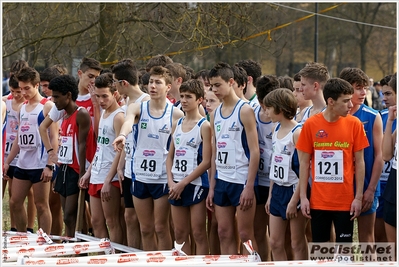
(49, 33)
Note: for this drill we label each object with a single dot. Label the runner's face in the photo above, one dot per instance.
(206, 84)
(45, 89)
(212, 102)
(220, 87)
(308, 88)
(16, 93)
(28, 89)
(104, 97)
(60, 100)
(87, 77)
(389, 96)
(157, 87)
(189, 102)
(120, 85)
(343, 105)
(359, 94)
(297, 93)
(270, 112)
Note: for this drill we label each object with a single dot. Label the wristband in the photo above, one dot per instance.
(48, 151)
(51, 167)
(122, 135)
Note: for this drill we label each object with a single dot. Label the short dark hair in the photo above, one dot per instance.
(90, 63)
(18, 65)
(240, 75)
(13, 82)
(253, 68)
(392, 82)
(286, 82)
(193, 86)
(297, 77)
(61, 69)
(28, 74)
(145, 78)
(335, 87)
(189, 72)
(49, 74)
(163, 72)
(64, 84)
(385, 80)
(105, 80)
(126, 70)
(316, 72)
(223, 70)
(203, 74)
(265, 84)
(283, 101)
(354, 76)
(177, 70)
(158, 60)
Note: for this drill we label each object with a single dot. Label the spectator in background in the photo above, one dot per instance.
(377, 98)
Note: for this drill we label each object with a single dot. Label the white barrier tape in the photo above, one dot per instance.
(12, 254)
(244, 264)
(29, 234)
(117, 246)
(41, 233)
(21, 241)
(140, 259)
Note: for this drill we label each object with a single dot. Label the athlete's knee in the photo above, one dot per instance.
(130, 217)
(199, 235)
(181, 232)
(276, 243)
(147, 229)
(42, 207)
(298, 244)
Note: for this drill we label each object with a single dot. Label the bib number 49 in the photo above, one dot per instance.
(151, 165)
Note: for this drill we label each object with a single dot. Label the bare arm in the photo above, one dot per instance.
(83, 121)
(53, 130)
(388, 140)
(133, 111)
(170, 158)
(304, 173)
(248, 120)
(212, 170)
(378, 164)
(105, 191)
(356, 206)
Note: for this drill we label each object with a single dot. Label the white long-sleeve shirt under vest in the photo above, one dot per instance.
(265, 133)
(284, 169)
(32, 154)
(105, 153)
(11, 130)
(188, 153)
(151, 137)
(232, 153)
(129, 143)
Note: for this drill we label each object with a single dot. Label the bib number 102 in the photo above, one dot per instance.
(151, 165)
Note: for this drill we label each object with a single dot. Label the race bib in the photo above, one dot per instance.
(183, 163)
(98, 158)
(65, 150)
(279, 170)
(226, 157)
(264, 164)
(27, 138)
(329, 166)
(148, 163)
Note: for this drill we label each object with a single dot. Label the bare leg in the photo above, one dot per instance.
(41, 193)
